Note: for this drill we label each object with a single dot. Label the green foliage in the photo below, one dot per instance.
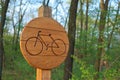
(15, 66)
(111, 74)
(57, 73)
(86, 49)
(84, 66)
(83, 71)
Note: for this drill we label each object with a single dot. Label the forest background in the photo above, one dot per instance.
(93, 28)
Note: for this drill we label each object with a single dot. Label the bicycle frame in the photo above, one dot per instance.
(58, 47)
(42, 40)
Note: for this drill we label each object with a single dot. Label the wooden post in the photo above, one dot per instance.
(44, 11)
(36, 55)
(43, 74)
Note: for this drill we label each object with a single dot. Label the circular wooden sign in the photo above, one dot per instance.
(44, 43)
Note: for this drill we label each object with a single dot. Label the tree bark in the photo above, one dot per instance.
(114, 24)
(13, 23)
(101, 49)
(2, 23)
(95, 26)
(20, 15)
(45, 2)
(71, 36)
(86, 22)
(86, 25)
(81, 11)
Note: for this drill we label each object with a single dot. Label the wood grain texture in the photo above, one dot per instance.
(44, 43)
(43, 74)
(45, 11)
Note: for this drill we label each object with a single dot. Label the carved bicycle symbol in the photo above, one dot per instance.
(35, 45)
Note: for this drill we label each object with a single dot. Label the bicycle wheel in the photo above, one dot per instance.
(33, 46)
(58, 47)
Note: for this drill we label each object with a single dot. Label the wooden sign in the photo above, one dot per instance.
(44, 43)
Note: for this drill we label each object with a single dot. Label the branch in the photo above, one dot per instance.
(44, 2)
(47, 2)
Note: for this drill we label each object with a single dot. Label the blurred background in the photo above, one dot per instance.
(93, 28)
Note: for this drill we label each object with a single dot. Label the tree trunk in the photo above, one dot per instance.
(81, 40)
(101, 42)
(45, 2)
(95, 26)
(81, 11)
(21, 15)
(13, 23)
(2, 23)
(114, 24)
(71, 35)
(86, 22)
(86, 25)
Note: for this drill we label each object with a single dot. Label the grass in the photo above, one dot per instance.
(18, 70)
